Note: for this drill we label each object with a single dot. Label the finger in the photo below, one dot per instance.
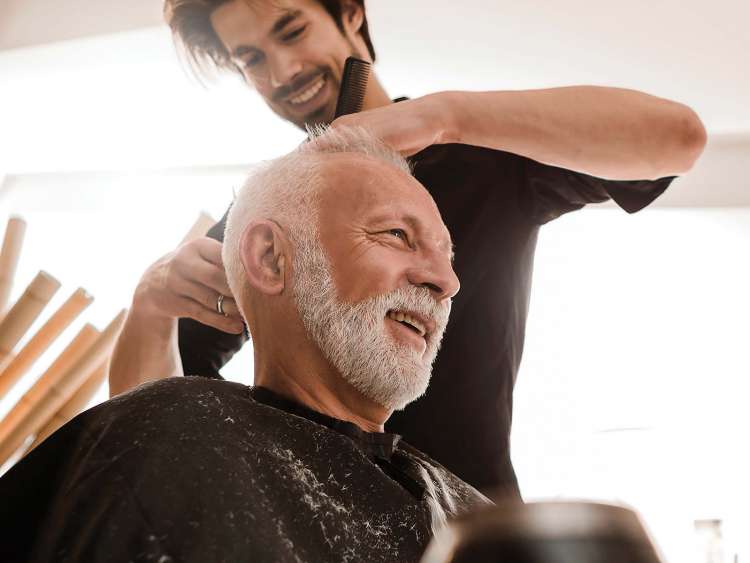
(208, 249)
(230, 308)
(203, 315)
(204, 273)
(350, 120)
(209, 299)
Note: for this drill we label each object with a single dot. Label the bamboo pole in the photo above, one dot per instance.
(24, 312)
(72, 353)
(39, 343)
(50, 393)
(75, 404)
(11, 252)
(199, 228)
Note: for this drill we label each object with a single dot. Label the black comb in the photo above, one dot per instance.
(353, 86)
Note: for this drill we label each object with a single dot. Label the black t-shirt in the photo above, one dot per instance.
(196, 470)
(493, 204)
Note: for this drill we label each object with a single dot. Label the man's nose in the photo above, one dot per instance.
(283, 68)
(437, 276)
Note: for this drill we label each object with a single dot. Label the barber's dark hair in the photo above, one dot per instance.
(195, 36)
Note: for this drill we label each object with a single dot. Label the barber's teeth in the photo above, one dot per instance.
(308, 94)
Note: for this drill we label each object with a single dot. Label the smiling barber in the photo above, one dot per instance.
(498, 164)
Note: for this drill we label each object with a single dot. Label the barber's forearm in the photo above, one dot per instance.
(606, 132)
(147, 350)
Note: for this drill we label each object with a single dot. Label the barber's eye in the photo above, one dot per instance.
(294, 34)
(251, 61)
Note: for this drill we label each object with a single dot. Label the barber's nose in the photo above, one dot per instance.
(284, 68)
(439, 278)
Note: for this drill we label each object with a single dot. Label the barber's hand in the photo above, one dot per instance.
(187, 283)
(409, 126)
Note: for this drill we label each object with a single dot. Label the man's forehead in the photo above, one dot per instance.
(379, 193)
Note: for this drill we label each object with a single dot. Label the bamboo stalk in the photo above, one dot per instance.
(39, 343)
(11, 252)
(72, 353)
(75, 404)
(199, 228)
(24, 312)
(50, 393)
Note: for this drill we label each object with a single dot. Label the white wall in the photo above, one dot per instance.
(634, 381)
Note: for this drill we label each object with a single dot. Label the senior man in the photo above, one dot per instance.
(346, 265)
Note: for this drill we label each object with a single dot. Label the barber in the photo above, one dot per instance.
(498, 164)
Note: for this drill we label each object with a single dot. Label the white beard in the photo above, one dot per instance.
(353, 337)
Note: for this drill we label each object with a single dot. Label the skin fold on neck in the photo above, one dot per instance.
(320, 389)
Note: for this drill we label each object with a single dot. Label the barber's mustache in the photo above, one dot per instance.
(283, 92)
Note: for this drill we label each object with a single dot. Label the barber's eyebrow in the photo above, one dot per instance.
(241, 50)
(285, 20)
(278, 26)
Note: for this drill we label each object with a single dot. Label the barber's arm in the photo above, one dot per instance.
(184, 283)
(605, 132)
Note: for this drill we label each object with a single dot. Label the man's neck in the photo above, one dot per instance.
(323, 391)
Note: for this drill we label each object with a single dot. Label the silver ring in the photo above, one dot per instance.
(220, 305)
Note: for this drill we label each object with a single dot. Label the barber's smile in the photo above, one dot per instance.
(308, 97)
(411, 327)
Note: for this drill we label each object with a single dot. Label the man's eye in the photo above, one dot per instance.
(294, 34)
(400, 233)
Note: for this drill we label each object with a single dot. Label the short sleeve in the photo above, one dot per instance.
(549, 192)
(204, 350)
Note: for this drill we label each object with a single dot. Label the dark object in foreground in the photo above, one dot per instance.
(353, 87)
(545, 532)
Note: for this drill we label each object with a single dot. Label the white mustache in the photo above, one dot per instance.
(418, 300)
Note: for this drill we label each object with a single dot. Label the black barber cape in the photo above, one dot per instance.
(197, 470)
(493, 204)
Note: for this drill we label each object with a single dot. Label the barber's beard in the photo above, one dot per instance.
(354, 338)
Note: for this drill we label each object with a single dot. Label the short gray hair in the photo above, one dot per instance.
(286, 190)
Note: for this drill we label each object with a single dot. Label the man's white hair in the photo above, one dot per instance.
(286, 190)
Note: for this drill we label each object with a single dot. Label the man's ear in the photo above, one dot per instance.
(353, 16)
(263, 252)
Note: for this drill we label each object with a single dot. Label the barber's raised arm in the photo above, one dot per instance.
(185, 283)
(606, 132)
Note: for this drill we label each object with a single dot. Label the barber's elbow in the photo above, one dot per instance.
(689, 139)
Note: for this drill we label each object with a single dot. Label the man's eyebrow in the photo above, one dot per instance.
(414, 223)
(285, 20)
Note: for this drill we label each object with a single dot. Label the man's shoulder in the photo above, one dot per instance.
(179, 408)
(190, 394)
(172, 389)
